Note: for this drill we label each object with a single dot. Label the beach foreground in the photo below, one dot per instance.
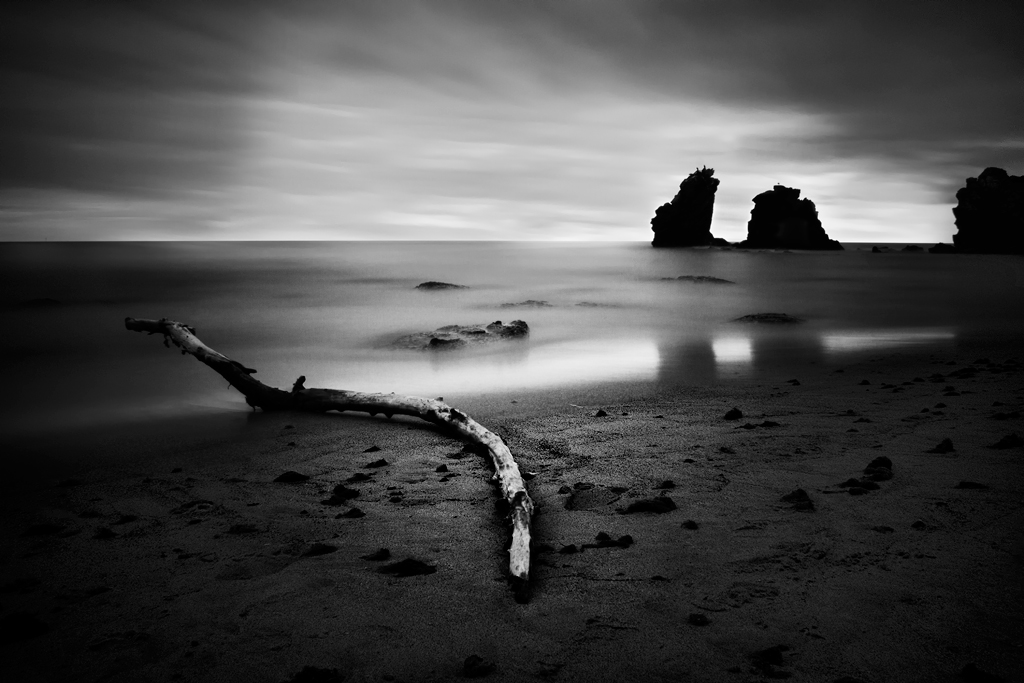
(174, 555)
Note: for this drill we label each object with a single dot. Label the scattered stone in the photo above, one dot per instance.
(970, 485)
(919, 525)
(351, 513)
(441, 468)
(702, 279)
(1008, 441)
(883, 529)
(667, 484)
(857, 491)
(377, 556)
(455, 336)
(944, 446)
(407, 567)
(696, 619)
(377, 463)
(583, 486)
(239, 529)
(372, 449)
(799, 499)
(690, 524)
(600, 413)
(733, 414)
(339, 494)
(358, 477)
(766, 660)
(658, 505)
(726, 450)
(291, 477)
(563, 489)
(864, 383)
(570, 549)
(319, 549)
(477, 667)
(604, 540)
(435, 286)
(1012, 415)
(768, 424)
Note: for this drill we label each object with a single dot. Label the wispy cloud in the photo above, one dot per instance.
(495, 120)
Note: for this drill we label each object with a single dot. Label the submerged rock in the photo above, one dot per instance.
(458, 336)
(686, 220)
(990, 214)
(434, 285)
(781, 220)
(769, 319)
(701, 279)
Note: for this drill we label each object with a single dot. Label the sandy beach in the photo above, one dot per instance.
(193, 563)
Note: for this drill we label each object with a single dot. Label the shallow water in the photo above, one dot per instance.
(329, 310)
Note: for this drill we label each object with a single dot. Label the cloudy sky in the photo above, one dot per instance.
(495, 119)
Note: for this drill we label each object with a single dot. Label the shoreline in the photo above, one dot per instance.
(912, 581)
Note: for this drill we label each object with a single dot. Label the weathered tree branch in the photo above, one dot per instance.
(259, 395)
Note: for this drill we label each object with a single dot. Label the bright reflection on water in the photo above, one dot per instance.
(732, 350)
(329, 311)
(866, 340)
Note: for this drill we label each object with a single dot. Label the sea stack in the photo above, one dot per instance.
(781, 220)
(990, 214)
(686, 220)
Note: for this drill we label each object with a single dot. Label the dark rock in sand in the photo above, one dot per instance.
(686, 220)
(698, 620)
(239, 529)
(351, 513)
(291, 477)
(104, 534)
(765, 660)
(454, 336)
(604, 540)
(1008, 441)
(944, 446)
(883, 529)
(570, 549)
(659, 505)
(377, 556)
(667, 484)
(435, 286)
(733, 414)
(441, 468)
(313, 674)
(799, 499)
(319, 549)
(919, 525)
(857, 491)
(477, 667)
(407, 567)
(769, 319)
(990, 214)
(358, 477)
(372, 449)
(20, 626)
(970, 485)
(377, 463)
(600, 413)
(880, 461)
(1012, 415)
(781, 220)
(690, 524)
(339, 494)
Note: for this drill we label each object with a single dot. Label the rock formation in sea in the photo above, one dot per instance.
(458, 336)
(990, 214)
(781, 220)
(686, 220)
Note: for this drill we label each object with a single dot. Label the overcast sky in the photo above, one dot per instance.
(496, 119)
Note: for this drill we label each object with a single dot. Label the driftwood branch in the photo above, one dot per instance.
(259, 395)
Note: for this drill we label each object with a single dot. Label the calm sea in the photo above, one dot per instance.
(328, 311)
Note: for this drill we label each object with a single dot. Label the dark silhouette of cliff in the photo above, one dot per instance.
(686, 220)
(781, 220)
(990, 214)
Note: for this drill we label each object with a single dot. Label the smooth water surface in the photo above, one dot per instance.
(329, 311)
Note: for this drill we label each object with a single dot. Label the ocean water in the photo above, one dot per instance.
(329, 311)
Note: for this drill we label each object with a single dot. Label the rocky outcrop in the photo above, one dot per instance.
(458, 336)
(781, 220)
(990, 214)
(686, 220)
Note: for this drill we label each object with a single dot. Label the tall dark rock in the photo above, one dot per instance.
(781, 220)
(990, 214)
(686, 220)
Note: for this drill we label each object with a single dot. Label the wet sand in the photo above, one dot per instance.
(169, 554)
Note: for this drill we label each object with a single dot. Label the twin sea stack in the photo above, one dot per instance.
(779, 220)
